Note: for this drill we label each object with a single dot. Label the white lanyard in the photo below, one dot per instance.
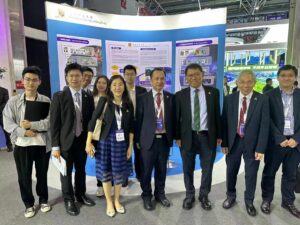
(287, 106)
(118, 118)
(158, 109)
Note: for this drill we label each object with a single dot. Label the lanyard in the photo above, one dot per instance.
(158, 109)
(118, 117)
(286, 104)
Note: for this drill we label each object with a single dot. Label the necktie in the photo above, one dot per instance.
(78, 128)
(160, 116)
(196, 111)
(243, 111)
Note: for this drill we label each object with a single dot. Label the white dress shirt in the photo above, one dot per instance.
(203, 107)
(248, 98)
(162, 106)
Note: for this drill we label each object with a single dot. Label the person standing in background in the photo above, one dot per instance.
(3, 100)
(226, 88)
(87, 74)
(268, 85)
(100, 90)
(134, 92)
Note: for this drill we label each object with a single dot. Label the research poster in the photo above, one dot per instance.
(200, 51)
(82, 50)
(143, 55)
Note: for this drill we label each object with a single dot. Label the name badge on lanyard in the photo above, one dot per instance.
(287, 119)
(120, 132)
(159, 120)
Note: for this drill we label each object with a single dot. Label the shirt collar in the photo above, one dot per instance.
(287, 93)
(154, 92)
(73, 91)
(248, 97)
(201, 88)
(131, 89)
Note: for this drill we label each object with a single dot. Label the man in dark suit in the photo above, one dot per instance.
(155, 122)
(198, 131)
(71, 110)
(3, 100)
(283, 147)
(134, 91)
(245, 126)
(87, 74)
(268, 86)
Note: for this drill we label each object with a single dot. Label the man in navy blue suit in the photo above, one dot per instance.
(283, 148)
(155, 122)
(245, 127)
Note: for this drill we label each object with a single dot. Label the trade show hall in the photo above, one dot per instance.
(149, 112)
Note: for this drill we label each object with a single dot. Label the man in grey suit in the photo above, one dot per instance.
(245, 126)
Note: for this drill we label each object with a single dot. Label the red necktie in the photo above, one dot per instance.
(158, 103)
(243, 110)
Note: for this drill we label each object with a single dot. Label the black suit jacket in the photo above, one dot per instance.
(3, 100)
(62, 117)
(146, 119)
(277, 117)
(257, 122)
(109, 115)
(140, 90)
(184, 117)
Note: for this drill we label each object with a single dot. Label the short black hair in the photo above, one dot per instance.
(129, 67)
(86, 68)
(194, 66)
(268, 79)
(72, 66)
(32, 69)
(288, 67)
(157, 69)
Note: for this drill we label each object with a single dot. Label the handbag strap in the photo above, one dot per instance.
(102, 114)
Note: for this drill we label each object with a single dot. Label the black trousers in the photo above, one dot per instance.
(289, 158)
(207, 157)
(233, 161)
(24, 158)
(155, 157)
(76, 156)
(137, 162)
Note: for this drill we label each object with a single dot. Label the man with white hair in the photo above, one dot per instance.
(245, 128)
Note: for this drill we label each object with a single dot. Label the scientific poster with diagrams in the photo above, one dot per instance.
(201, 51)
(82, 50)
(143, 55)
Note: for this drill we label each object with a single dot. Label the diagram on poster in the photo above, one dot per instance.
(143, 55)
(82, 50)
(200, 51)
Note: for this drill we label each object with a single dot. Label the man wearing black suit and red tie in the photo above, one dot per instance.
(155, 129)
(71, 111)
(245, 127)
(198, 131)
(283, 147)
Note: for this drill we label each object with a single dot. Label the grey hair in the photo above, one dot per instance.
(244, 72)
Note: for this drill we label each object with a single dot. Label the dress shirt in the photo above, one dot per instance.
(203, 107)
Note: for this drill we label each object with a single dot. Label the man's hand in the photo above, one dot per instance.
(178, 142)
(30, 133)
(219, 141)
(292, 143)
(225, 150)
(129, 152)
(138, 145)
(285, 143)
(56, 154)
(25, 124)
(258, 156)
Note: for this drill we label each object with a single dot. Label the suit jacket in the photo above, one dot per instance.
(109, 114)
(62, 117)
(257, 122)
(140, 90)
(277, 117)
(3, 100)
(146, 119)
(184, 117)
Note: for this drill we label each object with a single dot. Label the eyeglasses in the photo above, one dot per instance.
(28, 80)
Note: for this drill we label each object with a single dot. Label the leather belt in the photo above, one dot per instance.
(202, 132)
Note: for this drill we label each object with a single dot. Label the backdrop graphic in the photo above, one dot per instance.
(146, 42)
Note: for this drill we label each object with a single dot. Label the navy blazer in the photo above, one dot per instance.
(62, 117)
(109, 115)
(184, 117)
(277, 117)
(257, 122)
(146, 119)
